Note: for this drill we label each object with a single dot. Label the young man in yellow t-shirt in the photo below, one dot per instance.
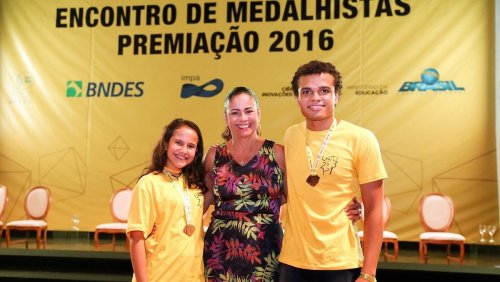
(328, 160)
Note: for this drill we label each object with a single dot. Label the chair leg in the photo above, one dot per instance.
(462, 252)
(387, 253)
(38, 238)
(113, 242)
(7, 238)
(45, 239)
(396, 249)
(423, 252)
(96, 239)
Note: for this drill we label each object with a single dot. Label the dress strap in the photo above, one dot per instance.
(220, 152)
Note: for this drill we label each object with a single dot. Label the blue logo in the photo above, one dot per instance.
(75, 88)
(206, 90)
(430, 81)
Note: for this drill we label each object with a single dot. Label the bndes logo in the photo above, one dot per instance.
(74, 88)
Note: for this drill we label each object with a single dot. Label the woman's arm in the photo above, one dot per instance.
(279, 153)
(208, 164)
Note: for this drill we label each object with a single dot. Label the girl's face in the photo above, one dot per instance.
(181, 148)
(242, 116)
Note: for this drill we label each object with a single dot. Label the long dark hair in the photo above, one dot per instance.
(193, 172)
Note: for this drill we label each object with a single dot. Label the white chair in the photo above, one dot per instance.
(388, 237)
(3, 202)
(120, 206)
(436, 213)
(36, 207)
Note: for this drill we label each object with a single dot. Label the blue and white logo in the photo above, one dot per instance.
(430, 81)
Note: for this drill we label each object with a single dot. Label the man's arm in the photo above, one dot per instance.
(372, 194)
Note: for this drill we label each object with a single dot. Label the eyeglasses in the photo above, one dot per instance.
(322, 91)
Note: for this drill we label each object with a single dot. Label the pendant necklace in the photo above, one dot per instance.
(189, 228)
(313, 177)
(242, 162)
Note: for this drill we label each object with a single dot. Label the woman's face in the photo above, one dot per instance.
(242, 115)
(181, 148)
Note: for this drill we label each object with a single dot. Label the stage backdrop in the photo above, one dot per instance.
(87, 86)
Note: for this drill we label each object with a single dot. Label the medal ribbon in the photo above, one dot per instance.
(185, 197)
(314, 169)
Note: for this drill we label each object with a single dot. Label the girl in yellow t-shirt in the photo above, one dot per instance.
(165, 220)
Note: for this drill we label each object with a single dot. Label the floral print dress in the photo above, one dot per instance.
(243, 240)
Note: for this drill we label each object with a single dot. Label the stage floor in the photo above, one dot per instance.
(482, 261)
(475, 254)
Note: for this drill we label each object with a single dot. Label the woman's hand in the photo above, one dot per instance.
(354, 210)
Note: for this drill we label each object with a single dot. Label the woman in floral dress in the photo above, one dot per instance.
(246, 175)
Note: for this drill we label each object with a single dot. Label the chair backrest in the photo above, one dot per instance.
(3, 199)
(37, 203)
(120, 204)
(386, 211)
(436, 212)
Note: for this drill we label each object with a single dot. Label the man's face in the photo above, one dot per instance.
(317, 96)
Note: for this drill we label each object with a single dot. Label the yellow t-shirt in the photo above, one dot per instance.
(318, 233)
(171, 254)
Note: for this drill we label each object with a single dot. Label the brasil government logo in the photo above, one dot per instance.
(430, 81)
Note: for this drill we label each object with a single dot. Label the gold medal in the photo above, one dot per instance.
(312, 180)
(189, 229)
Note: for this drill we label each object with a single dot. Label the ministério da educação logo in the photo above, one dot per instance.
(76, 88)
(430, 81)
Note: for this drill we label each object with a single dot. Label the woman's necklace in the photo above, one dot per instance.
(189, 228)
(245, 156)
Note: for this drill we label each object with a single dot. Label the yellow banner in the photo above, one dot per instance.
(87, 86)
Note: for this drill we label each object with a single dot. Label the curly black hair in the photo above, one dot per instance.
(317, 67)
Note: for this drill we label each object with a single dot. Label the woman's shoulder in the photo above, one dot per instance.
(214, 149)
(279, 152)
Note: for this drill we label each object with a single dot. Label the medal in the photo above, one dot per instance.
(312, 180)
(189, 229)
